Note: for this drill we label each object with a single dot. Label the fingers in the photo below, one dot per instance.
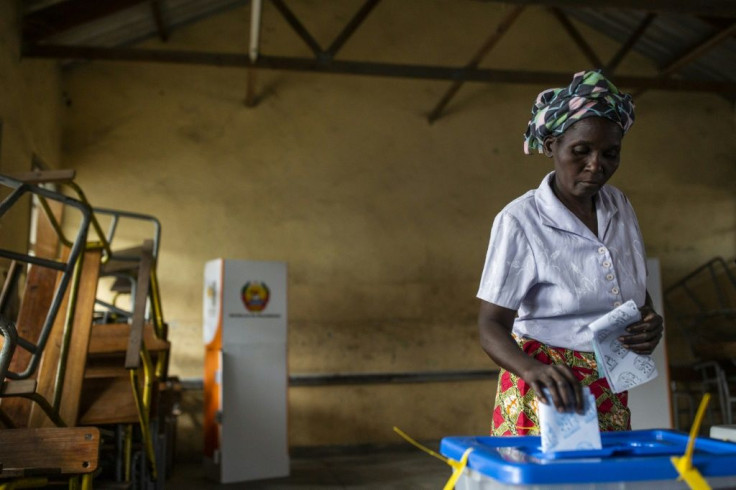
(579, 401)
(644, 349)
(561, 396)
(541, 395)
(557, 385)
(644, 336)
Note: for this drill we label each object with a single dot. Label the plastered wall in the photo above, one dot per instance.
(30, 119)
(382, 218)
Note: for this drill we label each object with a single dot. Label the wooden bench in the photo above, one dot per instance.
(49, 451)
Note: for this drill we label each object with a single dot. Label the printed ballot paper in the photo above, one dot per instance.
(570, 431)
(622, 368)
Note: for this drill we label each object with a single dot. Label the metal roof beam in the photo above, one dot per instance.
(351, 27)
(630, 43)
(298, 27)
(319, 53)
(577, 38)
(494, 38)
(341, 38)
(692, 54)
(426, 72)
(158, 18)
(698, 50)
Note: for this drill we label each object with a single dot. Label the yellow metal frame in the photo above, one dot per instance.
(76, 482)
(158, 322)
(36, 482)
(93, 220)
(128, 451)
(142, 396)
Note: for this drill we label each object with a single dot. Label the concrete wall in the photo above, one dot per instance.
(30, 118)
(382, 218)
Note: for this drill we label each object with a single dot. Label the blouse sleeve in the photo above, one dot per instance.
(509, 271)
(638, 244)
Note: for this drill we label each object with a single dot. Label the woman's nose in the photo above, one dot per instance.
(594, 163)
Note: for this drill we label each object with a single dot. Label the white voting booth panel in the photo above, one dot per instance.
(246, 380)
(650, 403)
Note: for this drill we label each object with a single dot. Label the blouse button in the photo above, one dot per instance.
(614, 290)
(606, 264)
(617, 304)
(609, 277)
(602, 250)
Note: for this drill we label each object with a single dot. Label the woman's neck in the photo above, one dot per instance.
(582, 208)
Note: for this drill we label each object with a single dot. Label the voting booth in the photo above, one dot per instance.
(650, 403)
(245, 379)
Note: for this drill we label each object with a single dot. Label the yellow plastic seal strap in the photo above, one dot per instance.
(684, 464)
(457, 466)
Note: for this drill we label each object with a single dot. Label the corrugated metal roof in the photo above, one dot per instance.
(667, 38)
(122, 23)
(136, 23)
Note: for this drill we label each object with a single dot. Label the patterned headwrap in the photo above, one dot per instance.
(589, 94)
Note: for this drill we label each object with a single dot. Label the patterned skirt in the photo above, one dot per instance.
(515, 411)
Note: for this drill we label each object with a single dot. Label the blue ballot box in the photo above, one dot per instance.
(638, 459)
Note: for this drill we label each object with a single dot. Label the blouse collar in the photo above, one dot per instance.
(554, 214)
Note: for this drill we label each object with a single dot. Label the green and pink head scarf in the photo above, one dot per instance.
(590, 94)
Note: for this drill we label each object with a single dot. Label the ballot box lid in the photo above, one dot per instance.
(624, 456)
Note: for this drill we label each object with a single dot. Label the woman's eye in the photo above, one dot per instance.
(579, 150)
(612, 154)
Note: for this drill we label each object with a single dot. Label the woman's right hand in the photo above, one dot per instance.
(555, 384)
(495, 324)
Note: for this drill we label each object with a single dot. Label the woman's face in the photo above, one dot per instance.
(586, 155)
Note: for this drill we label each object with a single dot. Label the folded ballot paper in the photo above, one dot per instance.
(570, 431)
(622, 368)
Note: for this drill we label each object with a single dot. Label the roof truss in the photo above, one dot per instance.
(40, 26)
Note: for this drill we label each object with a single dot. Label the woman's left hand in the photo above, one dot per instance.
(645, 334)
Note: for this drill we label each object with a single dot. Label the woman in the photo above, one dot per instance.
(561, 256)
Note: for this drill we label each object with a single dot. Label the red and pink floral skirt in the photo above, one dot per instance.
(515, 411)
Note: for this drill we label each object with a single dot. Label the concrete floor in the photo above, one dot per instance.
(392, 467)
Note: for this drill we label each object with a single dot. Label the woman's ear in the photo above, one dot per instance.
(547, 145)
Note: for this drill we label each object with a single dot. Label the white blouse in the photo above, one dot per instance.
(545, 263)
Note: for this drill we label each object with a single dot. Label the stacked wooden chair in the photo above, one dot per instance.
(79, 371)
